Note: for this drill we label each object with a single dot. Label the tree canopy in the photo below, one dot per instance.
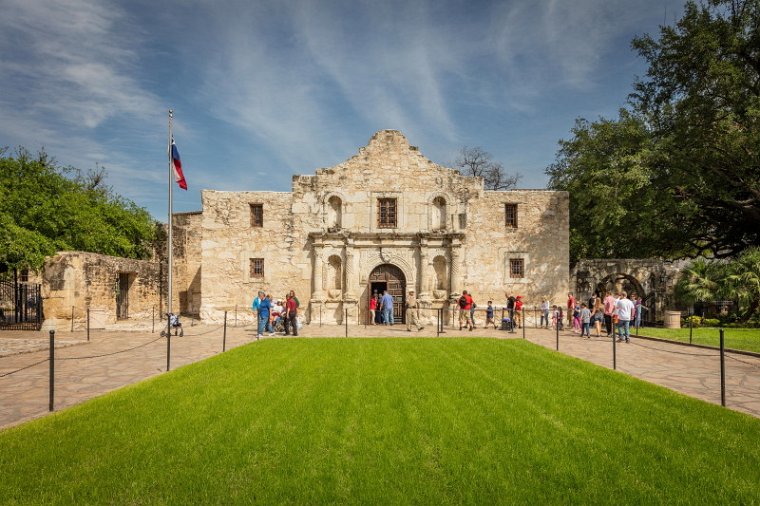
(682, 162)
(45, 208)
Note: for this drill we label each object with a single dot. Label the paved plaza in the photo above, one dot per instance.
(87, 369)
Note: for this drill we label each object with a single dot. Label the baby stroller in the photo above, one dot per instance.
(278, 325)
(507, 324)
(175, 324)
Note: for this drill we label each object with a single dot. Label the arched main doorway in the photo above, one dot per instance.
(391, 278)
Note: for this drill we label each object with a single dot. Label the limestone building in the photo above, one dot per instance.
(387, 218)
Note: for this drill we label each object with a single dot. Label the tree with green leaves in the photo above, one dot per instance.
(689, 146)
(711, 280)
(701, 97)
(44, 209)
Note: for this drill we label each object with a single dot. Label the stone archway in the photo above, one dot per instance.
(391, 278)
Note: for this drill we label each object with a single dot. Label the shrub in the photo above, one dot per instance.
(711, 322)
(696, 321)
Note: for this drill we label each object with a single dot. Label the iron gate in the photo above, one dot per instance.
(20, 306)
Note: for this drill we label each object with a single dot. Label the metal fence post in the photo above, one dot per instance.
(168, 341)
(722, 371)
(88, 324)
(72, 318)
(346, 321)
(557, 327)
(614, 353)
(51, 404)
(691, 327)
(438, 323)
(153, 326)
(224, 335)
(236, 315)
(523, 321)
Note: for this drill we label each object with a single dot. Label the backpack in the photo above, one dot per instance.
(462, 302)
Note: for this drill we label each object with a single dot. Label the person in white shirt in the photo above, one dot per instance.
(624, 309)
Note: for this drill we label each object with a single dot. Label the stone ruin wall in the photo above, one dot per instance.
(89, 280)
(186, 276)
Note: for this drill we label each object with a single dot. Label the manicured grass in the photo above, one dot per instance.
(386, 421)
(737, 339)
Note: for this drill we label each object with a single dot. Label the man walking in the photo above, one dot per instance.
(386, 304)
(465, 304)
(412, 308)
(624, 308)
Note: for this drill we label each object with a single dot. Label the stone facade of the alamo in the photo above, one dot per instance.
(386, 218)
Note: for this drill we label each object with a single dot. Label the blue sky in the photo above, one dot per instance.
(263, 90)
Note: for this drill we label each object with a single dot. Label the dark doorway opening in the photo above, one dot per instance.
(122, 296)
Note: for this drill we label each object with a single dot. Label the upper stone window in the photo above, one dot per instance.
(257, 215)
(510, 215)
(386, 213)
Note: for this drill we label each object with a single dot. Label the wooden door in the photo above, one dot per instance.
(122, 297)
(396, 283)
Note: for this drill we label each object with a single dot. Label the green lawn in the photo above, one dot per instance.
(386, 421)
(738, 339)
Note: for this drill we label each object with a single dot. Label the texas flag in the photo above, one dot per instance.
(177, 165)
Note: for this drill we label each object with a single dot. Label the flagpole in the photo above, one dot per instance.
(170, 243)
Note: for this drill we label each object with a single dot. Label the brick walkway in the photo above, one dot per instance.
(24, 395)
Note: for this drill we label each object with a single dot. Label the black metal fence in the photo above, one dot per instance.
(20, 306)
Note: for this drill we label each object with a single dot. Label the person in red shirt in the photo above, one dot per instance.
(372, 308)
(291, 311)
(465, 303)
(518, 310)
(570, 308)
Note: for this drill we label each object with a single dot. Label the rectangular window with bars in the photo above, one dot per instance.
(516, 268)
(510, 215)
(257, 267)
(386, 213)
(257, 215)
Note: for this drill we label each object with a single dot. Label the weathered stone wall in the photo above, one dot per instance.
(230, 242)
(89, 280)
(186, 277)
(541, 240)
(323, 240)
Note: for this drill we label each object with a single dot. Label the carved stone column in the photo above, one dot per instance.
(350, 288)
(317, 273)
(456, 267)
(424, 274)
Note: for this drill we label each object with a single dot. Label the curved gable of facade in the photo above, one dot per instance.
(389, 162)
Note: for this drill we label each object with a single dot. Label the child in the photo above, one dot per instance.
(489, 315)
(577, 319)
(560, 318)
(555, 316)
(545, 313)
(585, 318)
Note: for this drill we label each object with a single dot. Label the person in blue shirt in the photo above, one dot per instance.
(386, 304)
(265, 305)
